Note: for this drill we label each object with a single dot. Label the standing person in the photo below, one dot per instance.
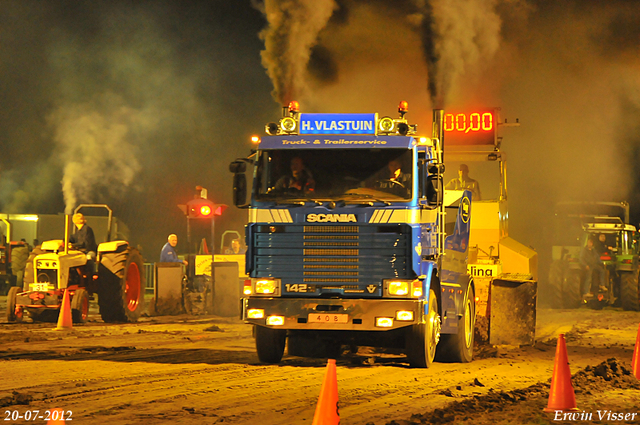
(83, 239)
(19, 255)
(464, 182)
(299, 180)
(168, 253)
(590, 260)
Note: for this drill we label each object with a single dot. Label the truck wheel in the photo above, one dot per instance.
(572, 294)
(629, 291)
(459, 347)
(11, 305)
(270, 344)
(422, 339)
(121, 285)
(556, 275)
(80, 306)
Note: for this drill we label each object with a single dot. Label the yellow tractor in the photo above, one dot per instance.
(116, 276)
(504, 270)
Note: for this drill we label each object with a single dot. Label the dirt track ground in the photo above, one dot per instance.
(204, 370)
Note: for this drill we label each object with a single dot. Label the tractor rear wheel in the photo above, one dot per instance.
(270, 344)
(422, 339)
(80, 306)
(556, 276)
(11, 305)
(121, 285)
(629, 291)
(572, 294)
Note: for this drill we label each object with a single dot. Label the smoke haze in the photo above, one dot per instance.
(128, 104)
(292, 32)
(136, 104)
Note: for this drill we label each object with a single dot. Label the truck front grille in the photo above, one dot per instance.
(332, 255)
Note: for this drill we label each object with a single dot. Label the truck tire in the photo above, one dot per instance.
(11, 305)
(572, 294)
(422, 339)
(270, 344)
(80, 306)
(458, 347)
(121, 285)
(629, 291)
(556, 277)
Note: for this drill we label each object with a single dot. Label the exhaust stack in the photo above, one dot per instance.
(438, 132)
(66, 233)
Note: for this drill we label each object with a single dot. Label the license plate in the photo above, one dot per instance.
(328, 318)
(39, 286)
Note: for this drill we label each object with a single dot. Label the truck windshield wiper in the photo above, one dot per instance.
(291, 203)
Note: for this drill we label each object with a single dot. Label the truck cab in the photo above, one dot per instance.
(346, 241)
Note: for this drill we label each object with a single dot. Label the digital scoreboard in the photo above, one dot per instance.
(470, 128)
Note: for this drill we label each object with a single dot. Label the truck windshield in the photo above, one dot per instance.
(335, 174)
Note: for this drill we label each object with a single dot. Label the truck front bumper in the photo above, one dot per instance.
(333, 314)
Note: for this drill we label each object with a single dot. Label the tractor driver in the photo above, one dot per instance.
(601, 245)
(83, 239)
(464, 182)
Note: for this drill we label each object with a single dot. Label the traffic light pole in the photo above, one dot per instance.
(213, 235)
(189, 235)
(213, 243)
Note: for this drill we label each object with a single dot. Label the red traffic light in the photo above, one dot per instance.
(203, 208)
(200, 208)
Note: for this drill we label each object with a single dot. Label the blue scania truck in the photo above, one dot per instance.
(351, 240)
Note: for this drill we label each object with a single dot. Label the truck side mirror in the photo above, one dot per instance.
(434, 186)
(434, 190)
(238, 168)
(239, 190)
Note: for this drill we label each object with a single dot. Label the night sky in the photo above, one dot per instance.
(134, 103)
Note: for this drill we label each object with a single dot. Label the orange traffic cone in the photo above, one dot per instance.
(561, 394)
(327, 408)
(635, 363)
(64, 317)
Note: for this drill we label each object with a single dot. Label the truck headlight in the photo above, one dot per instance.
(275, 320)
(255, 313)
(404, 315)
(384, 322)
(402, 288)
(398, 287)
(266, 286)
(386, 125)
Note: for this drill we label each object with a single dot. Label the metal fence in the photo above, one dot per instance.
(150, 277)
